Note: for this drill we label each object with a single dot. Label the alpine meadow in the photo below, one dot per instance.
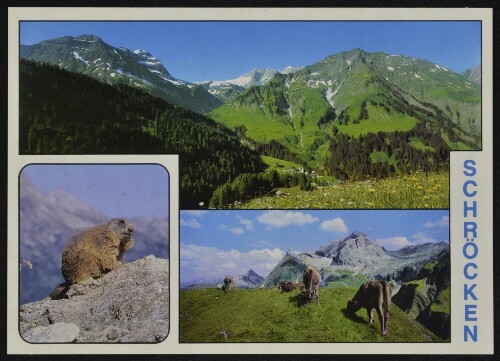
(268, 138)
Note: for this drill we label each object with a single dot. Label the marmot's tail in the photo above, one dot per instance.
(59, 292)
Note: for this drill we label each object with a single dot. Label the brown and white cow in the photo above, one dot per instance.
(374, 294)
(311, 280)
(287, 286)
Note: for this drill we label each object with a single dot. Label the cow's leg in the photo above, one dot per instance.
(386, 318)
(381, 319)
(370, 314)
(317, 297)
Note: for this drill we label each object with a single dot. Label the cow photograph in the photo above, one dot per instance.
(280, 270)
(374, 294)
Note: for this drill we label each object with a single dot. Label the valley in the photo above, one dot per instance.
(354, 116)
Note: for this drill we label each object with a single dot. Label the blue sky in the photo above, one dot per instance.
(197, 51)
(214, 243)
(115, 190)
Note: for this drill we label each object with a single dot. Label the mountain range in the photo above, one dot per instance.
(352, 115)
(47, 221)
(90, 55)
(227, 90)
(357, 93)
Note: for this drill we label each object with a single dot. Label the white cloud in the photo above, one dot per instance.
(280, 219)
(233, 230)
(213, 264)
(236, 230)
(195, 213)
(191, 223)
(444, 221)
(394, 243)
(263, 243)
(421, 237)
(247, 223)
(336, 225)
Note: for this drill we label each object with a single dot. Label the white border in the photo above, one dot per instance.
(15, 345)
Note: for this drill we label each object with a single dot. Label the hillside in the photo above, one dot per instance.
(90, 55)
(267, 315)
(417, 108)
(69, 113)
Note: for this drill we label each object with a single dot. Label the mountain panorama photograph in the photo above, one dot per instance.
(263, 115)
(243, 276)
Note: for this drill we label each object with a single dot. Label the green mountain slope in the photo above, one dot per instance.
(267, 315)
(89, 55)
(69, 113)
(355, 94)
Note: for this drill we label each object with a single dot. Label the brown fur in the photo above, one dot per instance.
(228, 283)
(311, 280)
(94, 252)
(375, 294)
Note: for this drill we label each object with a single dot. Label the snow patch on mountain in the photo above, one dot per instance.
(78, 57)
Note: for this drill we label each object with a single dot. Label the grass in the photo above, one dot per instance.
(379, 121)
(412, 191)
(278, 164)
(266, 315)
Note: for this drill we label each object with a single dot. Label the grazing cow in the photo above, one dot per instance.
(374, 294)
(311, 280)
(285, 286)
(228, 283)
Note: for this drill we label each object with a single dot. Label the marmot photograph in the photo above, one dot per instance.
(94, 253)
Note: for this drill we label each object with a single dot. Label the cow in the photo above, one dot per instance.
(374, 294)
(228, 283)
(285, 286)
(311, 280)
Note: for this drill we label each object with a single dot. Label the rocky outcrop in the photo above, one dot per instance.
(427, 299)
(130, 304)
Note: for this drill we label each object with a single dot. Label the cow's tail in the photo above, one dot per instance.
(387, 290)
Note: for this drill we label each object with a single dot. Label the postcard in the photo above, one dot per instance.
(263, 179)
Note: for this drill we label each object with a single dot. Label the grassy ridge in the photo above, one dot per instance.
(266, 315)
(413, 191)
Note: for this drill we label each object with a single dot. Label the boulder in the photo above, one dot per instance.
(130, 304)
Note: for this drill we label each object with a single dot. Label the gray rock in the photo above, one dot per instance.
(130, 304)
(60, 332)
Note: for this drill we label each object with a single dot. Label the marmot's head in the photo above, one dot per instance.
(123, 229)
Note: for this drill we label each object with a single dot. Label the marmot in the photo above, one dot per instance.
(94, 252)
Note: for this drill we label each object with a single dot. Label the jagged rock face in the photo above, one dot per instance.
(130, 304)
(356, 258)
(356, 250)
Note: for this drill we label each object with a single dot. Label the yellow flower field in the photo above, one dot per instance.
(413, 191)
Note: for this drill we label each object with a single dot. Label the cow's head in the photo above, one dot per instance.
(352, 306)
